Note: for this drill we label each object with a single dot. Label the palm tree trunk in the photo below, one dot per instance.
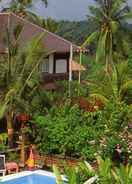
(22, 146)
(10, 130)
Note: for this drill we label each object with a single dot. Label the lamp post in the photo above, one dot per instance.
(70, 63)
(70, 68)
(80, 62)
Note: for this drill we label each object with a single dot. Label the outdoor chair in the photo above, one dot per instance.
(11, 167)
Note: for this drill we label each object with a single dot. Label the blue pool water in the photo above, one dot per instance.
(32, 179)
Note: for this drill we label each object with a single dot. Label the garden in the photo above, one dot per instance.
(92, 124)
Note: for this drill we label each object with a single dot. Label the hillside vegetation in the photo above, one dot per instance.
(76, 32)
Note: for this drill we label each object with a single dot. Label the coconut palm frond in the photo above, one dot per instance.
(101, 52)
(116, 5)
(127, 85)
(3, 108)
(104, 171)
(88, 166)
(110, 18)
(46, 2)
(99, 96)
(114, 26)
(90, 39)
(56, 171)
(123, 174)
(91, 180)
(126, 16)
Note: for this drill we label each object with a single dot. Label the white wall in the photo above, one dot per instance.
(51, 60)
(61, 66)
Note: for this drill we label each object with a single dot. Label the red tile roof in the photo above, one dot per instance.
(51, 41)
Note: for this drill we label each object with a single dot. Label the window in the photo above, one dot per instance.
(61, 66)
(45, 66)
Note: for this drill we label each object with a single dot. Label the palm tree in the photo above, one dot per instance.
(21, 10)
(104, 170)
(17, 73)
(76, 174)
(123, 174)
(104, 174)
(115, 85)
(85, 174)
(109, 174)
(28, 2)
(110, 17)
(24, 3)
(20, 7)
(49, 24)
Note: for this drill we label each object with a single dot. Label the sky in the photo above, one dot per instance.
(63, 9)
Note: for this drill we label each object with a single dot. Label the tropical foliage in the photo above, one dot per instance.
(75, 31)
(18, 76)
(21, 5)
(104, 174)
(116, 85)
(59, 124)
(49, 24)
(91, 130)
(109, 16)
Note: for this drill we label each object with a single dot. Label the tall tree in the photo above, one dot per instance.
(18, 70)
(49, 24)
(110, 17)
(117, 85)
(24, 3)
(20, 6)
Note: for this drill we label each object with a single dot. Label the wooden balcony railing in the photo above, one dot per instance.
(47, 78)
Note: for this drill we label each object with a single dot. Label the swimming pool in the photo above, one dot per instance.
(29, 177)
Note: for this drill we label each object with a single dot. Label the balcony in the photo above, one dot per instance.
(48, 78)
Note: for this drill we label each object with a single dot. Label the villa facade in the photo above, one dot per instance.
(56, 66)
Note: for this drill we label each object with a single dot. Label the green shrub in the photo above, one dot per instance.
(67, 130)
